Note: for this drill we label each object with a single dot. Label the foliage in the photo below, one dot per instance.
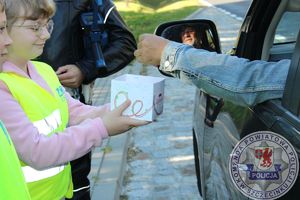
(107, 149)
(155, 4)
(142, 19)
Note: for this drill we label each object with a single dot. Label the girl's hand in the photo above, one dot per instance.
(115, 123)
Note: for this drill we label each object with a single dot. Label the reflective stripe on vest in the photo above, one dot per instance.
(44, 126)
(32, 174)
(49, 123)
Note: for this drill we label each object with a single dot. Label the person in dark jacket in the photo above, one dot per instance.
(65, 52)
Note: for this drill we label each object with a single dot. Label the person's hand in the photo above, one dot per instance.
(150, 48)
(70, 76)
(115, 123)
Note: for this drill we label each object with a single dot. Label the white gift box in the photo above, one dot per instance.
(146, 94)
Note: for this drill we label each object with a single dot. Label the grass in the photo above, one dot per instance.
(142, 19)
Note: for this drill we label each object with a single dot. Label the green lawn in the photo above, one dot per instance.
(141, 19)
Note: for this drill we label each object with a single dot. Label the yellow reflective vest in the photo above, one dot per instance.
(49, 114)
(12, 183)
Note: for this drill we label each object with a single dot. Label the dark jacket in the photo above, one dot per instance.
(65, 45)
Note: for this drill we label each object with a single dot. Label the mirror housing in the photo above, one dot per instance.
(200, 33)
(204, 29)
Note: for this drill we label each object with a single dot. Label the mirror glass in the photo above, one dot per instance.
(196, 34)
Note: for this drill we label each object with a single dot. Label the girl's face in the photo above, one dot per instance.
(5, 40)
(29, 37)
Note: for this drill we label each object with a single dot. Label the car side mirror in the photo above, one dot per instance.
(200, 33)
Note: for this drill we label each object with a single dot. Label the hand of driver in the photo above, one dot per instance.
(150, 48)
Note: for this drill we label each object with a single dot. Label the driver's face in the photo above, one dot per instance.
(188, 36)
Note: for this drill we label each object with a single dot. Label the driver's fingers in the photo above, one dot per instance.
(143, 36)
(137, 53)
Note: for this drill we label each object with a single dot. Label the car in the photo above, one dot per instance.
(269, 32)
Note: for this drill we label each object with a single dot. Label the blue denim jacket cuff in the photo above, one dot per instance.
(169, 54)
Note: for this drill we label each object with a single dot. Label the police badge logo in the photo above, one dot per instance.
(264, 165)
(264, 157)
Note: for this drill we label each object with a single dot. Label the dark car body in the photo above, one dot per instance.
(269, 32)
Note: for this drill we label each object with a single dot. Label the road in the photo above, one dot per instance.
(287, 29)
(235, 7)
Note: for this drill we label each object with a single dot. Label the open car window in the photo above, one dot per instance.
(285, 37)
(287, 28)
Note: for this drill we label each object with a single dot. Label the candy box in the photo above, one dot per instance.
(145, 92)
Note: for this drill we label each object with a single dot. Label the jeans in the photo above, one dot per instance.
(238, 80)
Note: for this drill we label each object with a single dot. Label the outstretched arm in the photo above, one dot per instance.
(41, 151)
(235, 79)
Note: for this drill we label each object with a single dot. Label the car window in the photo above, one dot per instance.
(285, 37)
(287, 28)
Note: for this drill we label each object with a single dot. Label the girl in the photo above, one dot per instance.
(13, 185)
(47, 126)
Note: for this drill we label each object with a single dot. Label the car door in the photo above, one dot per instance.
(216, 136)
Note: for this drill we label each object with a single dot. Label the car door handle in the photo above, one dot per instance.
(213, 108)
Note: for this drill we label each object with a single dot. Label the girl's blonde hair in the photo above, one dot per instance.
(28, 9)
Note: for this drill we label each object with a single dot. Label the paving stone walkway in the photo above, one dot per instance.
(154, 161)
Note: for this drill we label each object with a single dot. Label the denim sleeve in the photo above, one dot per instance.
(238, 80)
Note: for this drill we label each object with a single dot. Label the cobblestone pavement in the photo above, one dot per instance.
(160, 158)
(108, 159)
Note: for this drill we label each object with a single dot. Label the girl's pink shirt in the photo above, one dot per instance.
(40, 151)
